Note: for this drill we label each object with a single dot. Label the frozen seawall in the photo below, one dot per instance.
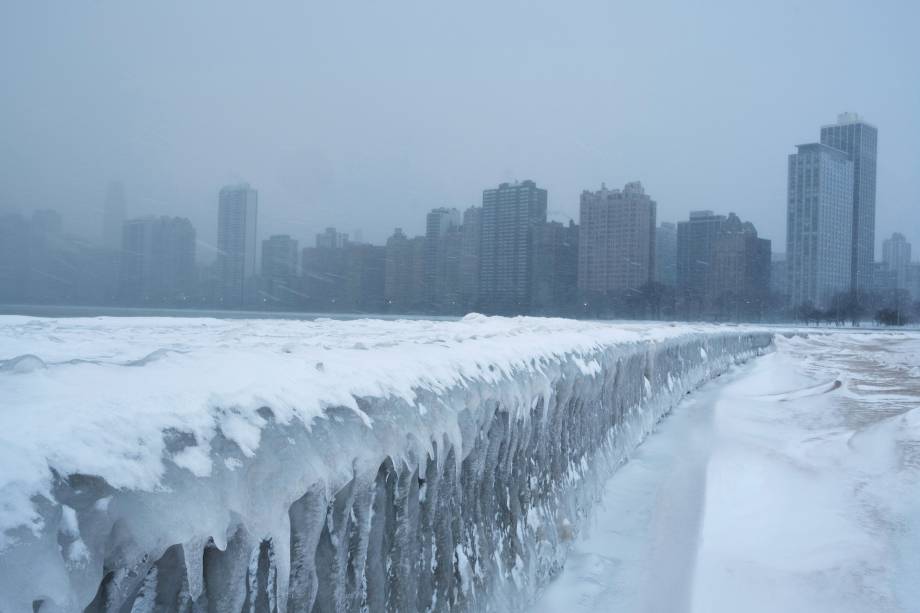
(233, 465)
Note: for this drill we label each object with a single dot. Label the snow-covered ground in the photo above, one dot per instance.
(775, 488)
(411, 464)
(230, 464)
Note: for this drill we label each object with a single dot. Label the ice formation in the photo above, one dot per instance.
(230, 465)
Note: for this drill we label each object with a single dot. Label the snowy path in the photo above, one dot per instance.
(771, 489)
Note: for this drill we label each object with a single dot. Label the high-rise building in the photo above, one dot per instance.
(470, 238)
(616, 246)
(884, 280)
(738, 281)
(819, 224)
(237, 221)
(779, 284)
(113, 215)
(666, 254)
(510, 215)
(365, 273)
(14, 258)
(279, 256)
(555, 268)
(396, 275)
(279, 270)
(913, 280)
(50, 269)
(331, 239)
(157, 261)
(896, 257)
(448, 282)
(442, 259)
(859, 141)
(695, 239)
(324, 269)
(41, 264)
(404, 273)
(417, 246)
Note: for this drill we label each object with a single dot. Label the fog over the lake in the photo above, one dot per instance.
(364, 115)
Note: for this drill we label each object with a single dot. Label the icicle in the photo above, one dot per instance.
(193, 552)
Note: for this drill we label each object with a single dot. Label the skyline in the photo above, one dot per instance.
(209, 252)
(308, 120)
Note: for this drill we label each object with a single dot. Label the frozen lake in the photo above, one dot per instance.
(791, 484)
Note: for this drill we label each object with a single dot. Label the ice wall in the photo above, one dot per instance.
(461, 496)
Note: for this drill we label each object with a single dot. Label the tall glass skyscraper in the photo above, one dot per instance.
(859, 141)
(236, 241)
(819, 224)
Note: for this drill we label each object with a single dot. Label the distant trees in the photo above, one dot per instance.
(890, 317)
(847, 306)
(652, 300)
(894, 308)
(887, 309)
(844, 306)
(657, 300)
(807, 313)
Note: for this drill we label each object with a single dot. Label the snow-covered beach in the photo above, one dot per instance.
(791, 484)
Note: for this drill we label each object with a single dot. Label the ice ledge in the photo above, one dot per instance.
(222, 465)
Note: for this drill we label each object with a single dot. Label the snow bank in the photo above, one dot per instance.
(197, 464)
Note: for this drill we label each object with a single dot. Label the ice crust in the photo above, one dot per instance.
(261, 465)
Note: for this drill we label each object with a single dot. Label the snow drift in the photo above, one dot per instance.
(227, 465)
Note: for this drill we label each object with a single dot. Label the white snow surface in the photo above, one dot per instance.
(100, 392)
(105, 396)
(792, 484)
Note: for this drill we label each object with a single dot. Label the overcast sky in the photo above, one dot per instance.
(367, 114)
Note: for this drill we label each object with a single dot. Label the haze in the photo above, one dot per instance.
(364, 115)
